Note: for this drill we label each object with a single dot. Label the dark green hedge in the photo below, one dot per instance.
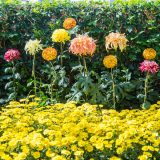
(140, 23)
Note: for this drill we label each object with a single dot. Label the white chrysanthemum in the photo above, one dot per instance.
(33, 46)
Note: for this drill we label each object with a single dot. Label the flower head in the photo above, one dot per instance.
(149, 66)
(49, 54)
(115, 40)
(69, 23)
(60, 35)
(149, 53)
(83, 45)
(110, 61)
(11, 55)
(33, 46)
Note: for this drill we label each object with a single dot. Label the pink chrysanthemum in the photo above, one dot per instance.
(149, 66)
(83, 45)
(11, 55)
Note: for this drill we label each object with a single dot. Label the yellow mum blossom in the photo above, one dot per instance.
(60, 35)
(33, 46)
(149, 53)
(143, 157)
(36, 155)
(110, 61)
(114, 158)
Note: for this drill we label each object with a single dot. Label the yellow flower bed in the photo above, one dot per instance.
(67, 132)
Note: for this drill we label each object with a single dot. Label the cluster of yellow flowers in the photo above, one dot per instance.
(71, 132)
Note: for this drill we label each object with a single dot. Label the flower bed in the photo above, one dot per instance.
(68, 132)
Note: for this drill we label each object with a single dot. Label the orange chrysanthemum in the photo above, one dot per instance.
(49, 54)
(83, 45)
(110, 61)
(149, 53)
(115, 40)
(69, 23)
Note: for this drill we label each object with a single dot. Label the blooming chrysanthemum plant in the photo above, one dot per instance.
(150, 67)
(110, 62)
(31, 47)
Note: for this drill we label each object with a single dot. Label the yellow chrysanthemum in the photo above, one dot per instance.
(60, 35)
(33, 46)
(36, 155)
(110, 61)
(115, 158)
(149, 53)
(69, 23)
(49, 54)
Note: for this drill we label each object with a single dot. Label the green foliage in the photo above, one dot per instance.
(21, 22)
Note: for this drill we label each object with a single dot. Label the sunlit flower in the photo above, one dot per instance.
(49, 54)
(149, 66)
(11, 55)
(149, 53)
(115, 40)
(83, 45)
(114, 158)
(60, 35)
(110, 61)
(33, 46)
(69, 23)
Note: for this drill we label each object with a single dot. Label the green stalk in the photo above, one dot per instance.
(13, 72)
(85, 66)
(61, 50)
(146, 87)
(33, 74)
(51, 88)
(113, 90)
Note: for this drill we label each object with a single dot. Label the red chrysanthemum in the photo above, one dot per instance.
(11, 55)
(149, 66)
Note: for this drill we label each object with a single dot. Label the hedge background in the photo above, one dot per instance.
(19, 23)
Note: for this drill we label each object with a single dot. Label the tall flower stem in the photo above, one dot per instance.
(61, 50)
(13, 73)
(146, 87)
(52, 82)
(113, 90)
(85, 66)
(33, 74)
